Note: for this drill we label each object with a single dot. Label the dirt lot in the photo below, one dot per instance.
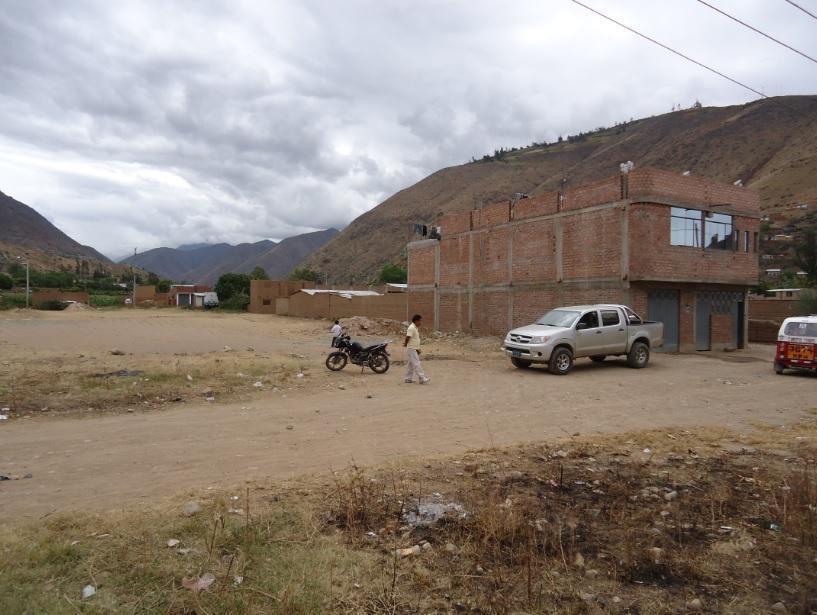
(320, 421)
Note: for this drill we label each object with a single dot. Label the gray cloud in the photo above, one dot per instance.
(151, 123)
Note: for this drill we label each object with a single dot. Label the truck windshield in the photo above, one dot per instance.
(559, 318)
(801, 329)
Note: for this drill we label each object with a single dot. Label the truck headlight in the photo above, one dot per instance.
(539, 339)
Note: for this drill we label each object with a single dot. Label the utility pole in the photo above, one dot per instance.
(28, 284)
(133, 271)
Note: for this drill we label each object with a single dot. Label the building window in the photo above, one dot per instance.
(685, 227)
(746, 241)
(718, 232)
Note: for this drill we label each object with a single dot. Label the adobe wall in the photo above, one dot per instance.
(325, 305)
(53, 294)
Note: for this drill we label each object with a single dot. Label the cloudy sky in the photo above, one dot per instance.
(148, 123)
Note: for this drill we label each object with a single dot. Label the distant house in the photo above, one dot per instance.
(188, 295)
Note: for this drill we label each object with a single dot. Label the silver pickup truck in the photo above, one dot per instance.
(595, 331)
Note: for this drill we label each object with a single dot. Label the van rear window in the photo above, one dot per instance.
(801, 329)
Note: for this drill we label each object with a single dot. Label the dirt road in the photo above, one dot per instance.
(127, 460)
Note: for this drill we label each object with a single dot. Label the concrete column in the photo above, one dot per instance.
(625, 245)
(437, 286)
(470, 281)
(557, 235)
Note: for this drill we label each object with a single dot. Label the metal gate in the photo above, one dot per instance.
(663, 306)
(717, 302)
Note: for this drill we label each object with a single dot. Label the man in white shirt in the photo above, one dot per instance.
(412, 344)
(337, 331)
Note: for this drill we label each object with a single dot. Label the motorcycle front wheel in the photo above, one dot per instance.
(379, 363)
(336, 361)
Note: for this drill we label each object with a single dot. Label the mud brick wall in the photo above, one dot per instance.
(53, 294)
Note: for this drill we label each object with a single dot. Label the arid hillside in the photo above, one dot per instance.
(770, 144)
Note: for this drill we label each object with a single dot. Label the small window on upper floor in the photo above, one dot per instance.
(745, 241)
(609, 318)
(685, 227)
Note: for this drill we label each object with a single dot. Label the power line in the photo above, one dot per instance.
(771, 38)
(670, 49)
(795, 5)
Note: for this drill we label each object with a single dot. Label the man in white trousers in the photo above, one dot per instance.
(412, 344)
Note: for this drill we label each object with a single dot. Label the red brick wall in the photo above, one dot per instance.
(652, 256)
(491, 215)
(539, 205)
(491, 256)
(453, 311)
(455, 223)
(529, 305)
(491, 312)
(534, 251)
(421, 302)
(591, 245)
(422, 263)
(454, 252)
(690, 189)
(606, 190)
(722, 330)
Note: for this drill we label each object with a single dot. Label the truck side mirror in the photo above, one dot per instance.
(581, 325)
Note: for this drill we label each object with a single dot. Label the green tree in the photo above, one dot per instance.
(153, 279)
(304, 273)
(392, 274)
(259, 274)
(232, 284)
(6, 282)
(163, 286)
(805, 252)
(807, 302)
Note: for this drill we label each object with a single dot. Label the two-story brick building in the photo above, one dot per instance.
(679, 249)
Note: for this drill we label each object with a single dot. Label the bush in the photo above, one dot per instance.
(9, 301)
(6, 282)
(807, 303)
(231, 284)
(392, 274)
(305, 274)
(107, 300)
(238, 303)
(52, 305)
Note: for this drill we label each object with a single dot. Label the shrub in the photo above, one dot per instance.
(231, 284)
(52, 305)
(9, 301)
(6, 282)
(107, 300)
(392, 274)
(305, 274)
(237, 303)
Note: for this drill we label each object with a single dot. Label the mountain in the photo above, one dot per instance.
(770, 144)
(21, 226)
(204, 263)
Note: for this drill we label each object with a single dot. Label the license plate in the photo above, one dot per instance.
(801, 352)
(516, 353)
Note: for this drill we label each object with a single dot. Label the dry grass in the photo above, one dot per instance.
(580, 526)
(58, 384)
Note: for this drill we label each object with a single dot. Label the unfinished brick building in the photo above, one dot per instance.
(678, 249)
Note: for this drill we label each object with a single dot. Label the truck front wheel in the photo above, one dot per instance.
(639, 355)
(561, 361)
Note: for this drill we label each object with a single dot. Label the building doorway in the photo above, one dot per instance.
(663, 306)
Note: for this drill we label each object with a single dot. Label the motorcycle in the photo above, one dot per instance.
(375, 357)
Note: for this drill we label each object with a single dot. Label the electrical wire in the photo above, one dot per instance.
(670, 49)
(795, 5)
(743, 23)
